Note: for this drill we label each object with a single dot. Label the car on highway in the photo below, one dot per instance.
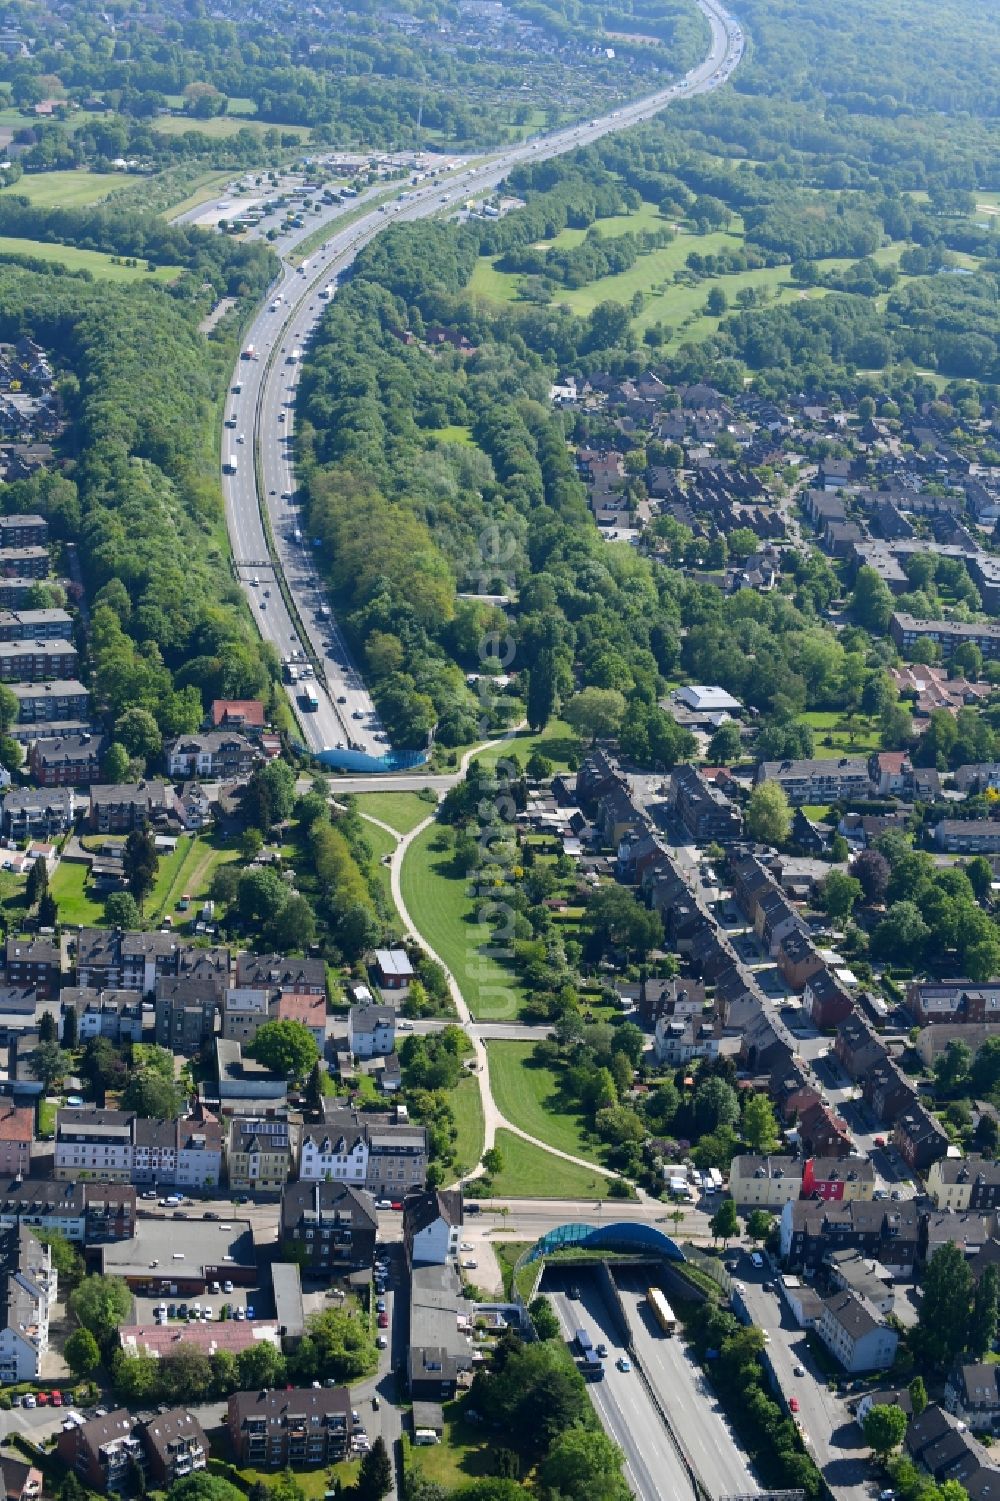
(624, 1364)
(793, 1405)
(342, 698)
(799, 1370)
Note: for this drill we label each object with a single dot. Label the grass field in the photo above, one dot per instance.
(70, 189)
(530, 1173)
(557, 741)
(441, 907)
(530, 1097)
(99, 265)
(68, 888)
(452, 434)
(463, 1454)
(465, 1101)
(678, 304)
(188, 871)
(221, 127)
(847, 740)
(402, 811)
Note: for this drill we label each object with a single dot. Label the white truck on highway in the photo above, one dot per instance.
(294, 357)
(229, 466)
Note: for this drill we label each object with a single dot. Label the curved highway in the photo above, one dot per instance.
(272, 557)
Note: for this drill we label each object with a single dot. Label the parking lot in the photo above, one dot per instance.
(243, 1302)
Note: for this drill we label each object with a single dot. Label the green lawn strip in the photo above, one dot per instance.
(69, 890)
(467, 1104)
(47, 1117)
(402, 811)
(857, 739)
(464, 1453)
(441, 907)
(381, 844)
(220, 127)
(96, 262)
(314, 1484)
(508, 1253)
(531, 1173)
(452, 434)
(557, 741)
(69, 189)
(169, 875)
(530, 1096)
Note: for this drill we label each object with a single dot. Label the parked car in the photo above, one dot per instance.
(383, 1321)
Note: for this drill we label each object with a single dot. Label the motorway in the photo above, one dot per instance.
(344, 727)
(687, 1395)
(628, 1415)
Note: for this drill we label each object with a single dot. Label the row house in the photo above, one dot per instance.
(972, 1394)
(29, 1284)
(956, 1001)
(114, 958)
(887, 1091)
(822, 1131)
(308, 1010)
(618, 815)
(797, 959)
(837, 1180)
(67, 760)
(86, 1213)
(36, 661)
(818, 781)
(244, 1012)
(774, 920)
(919, 1137)
(751, 879)
(184, 1015)
(764, 1182)
(944, 1447)
(281, 973)
(432, 1226)
(981, 776)
(17, 1134)
(965, 1183)
(219, 755)
(889, 1233)
(119, 1146)
(35, 964)
(259, 1153)
(114, 1014)
(132, 805)
(329, 1229)
(377, 1152)
(826, 1000)
(704, 811)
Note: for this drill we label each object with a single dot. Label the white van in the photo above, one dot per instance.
(426, 1436)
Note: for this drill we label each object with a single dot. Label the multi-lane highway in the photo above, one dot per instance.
(653, 1467)
(275, 563)
(687, 1396)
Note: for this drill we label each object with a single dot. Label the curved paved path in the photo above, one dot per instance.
(493, 1118)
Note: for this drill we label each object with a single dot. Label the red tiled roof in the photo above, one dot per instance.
(17, 1123)
(310, 1010)
(225, 1334)
(249, 710)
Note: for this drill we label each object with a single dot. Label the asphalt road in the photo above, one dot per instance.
(832, 1436)
(653, 1467)
(687, 1396)
(345, 719)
